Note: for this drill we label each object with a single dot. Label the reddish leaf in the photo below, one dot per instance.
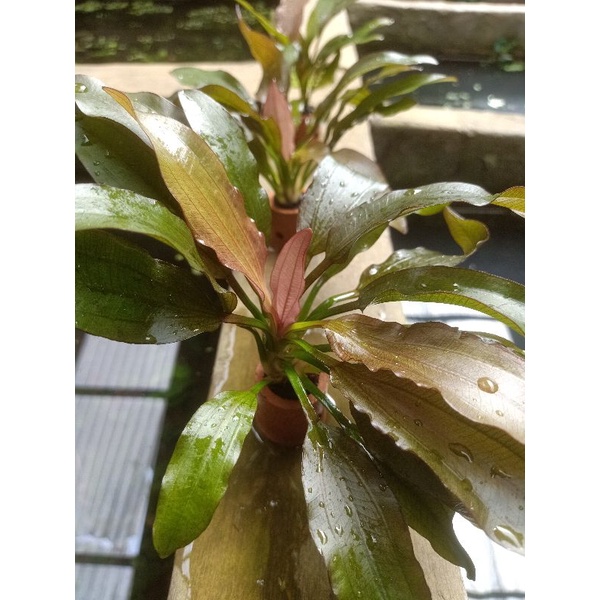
(287, 279)
(276, 106)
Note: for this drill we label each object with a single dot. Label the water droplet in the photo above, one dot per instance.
(260, 582)
(499, 413)
(339, 529)
(521, 507)
(505, 534)
(383, 487)
(309, 490)
(373, 539)
(466, 485)
(373, 271)
(348, 510)
(322, 504)
(85, 141)
(477, 87)
(487, 385)
(418, 423)
(342, 184)
(351, 498)
(423, 285)
(322, 536)
(80, 88)
(273, 503)
(496, 471)
(461, 451)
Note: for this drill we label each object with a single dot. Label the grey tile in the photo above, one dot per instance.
(103, 582)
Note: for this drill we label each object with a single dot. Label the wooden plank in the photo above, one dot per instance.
(116, 442)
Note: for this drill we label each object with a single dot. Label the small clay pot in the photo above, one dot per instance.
(282, 420)
(283, 224)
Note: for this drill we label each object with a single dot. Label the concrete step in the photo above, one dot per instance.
(472, 130)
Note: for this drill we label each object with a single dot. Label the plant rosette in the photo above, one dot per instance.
(436, 415)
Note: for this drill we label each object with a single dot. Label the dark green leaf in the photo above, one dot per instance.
(494, 296)
(198, 472)
(342, 181)
(356, 523)
(124, 294)
(427, 506)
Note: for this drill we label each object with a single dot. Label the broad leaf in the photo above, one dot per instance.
(406, 259)
(469, 234)
(342, 181)
(321, 14)
(213, 207)
(356, 523)
(277, 108)
(263, 49)
(495, 296)
(105, 207)
(124, 294)
(513, 198)
(371, 216)
(112, 146)
(367, 64)
(426, 504)
(484, 382)
(480, 463)
(198, 472)
(287, 279)
(199, 78)
(225, 137)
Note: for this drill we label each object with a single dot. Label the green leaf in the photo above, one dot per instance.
(382, 95)
(198, 78)
(371, 216)
(213, 207)
(112, 146)
(225, 137)
(469, 234)
(124, 294)
(198, 472)
(426, 504)
(321, 14)
(513, 198)
(466, 435)
(367, 64)
(494, 296)
(406, 259)
(342, 181)
(106, 207)
(356, 523)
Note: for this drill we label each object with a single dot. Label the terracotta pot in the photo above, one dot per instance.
(283, 224)
(282, 420)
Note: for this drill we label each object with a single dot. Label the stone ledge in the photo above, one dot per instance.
(429, 145)
(446, 30)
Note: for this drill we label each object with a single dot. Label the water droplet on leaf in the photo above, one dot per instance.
(487, 385)
(461, 451)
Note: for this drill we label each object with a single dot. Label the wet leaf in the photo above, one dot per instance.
(427, 506)
(198, 78)
(124, 294)
(225, 137)
(213, 207)
(356, 523)
(500, 298)
(483, 381)
(277, 108)
(287, 278)
(198, 472)
(342, 181)
(112, 146)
